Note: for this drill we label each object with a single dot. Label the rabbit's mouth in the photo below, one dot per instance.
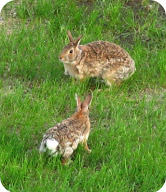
(67, 61)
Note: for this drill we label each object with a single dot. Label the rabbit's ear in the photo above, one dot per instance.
(87, 102)
(77, 41)
(78, 102)
(70, 36)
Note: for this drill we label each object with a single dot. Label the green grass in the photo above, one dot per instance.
(128, 123)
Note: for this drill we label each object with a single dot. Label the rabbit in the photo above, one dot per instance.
(96, 59)
(64, 137)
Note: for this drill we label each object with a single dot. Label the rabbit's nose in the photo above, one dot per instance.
(60, 57)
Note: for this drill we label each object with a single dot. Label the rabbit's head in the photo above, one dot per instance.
(71, 51)
(83, 107)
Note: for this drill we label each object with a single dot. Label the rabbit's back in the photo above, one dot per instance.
(68, 133)
(106, 60)
(103, 54)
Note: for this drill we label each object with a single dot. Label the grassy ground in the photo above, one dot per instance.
(128, 139)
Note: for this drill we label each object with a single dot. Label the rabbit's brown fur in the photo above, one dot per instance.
(64, 137)
(97, 59)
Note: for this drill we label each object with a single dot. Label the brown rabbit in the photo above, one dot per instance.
(97, 59)
(64, 137)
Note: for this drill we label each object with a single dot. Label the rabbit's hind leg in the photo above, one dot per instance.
(86, 146)
(66, 156)
(116, 77)
(110, 81)
(124, 72)
(109, 77)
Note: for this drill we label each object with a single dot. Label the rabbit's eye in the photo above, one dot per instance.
(71, 51)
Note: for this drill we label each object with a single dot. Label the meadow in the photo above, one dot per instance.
(128, 122)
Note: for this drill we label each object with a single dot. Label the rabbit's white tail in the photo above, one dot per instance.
(50, 144)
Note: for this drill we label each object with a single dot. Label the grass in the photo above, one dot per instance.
(128, 138)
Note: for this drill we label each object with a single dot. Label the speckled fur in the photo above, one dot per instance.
(70, 132)
(97, 59)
